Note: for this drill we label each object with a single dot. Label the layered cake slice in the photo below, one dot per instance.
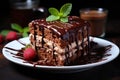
(59, 39)
(59, 43)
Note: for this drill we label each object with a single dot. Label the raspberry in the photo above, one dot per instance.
(29, 54)
(11, 36)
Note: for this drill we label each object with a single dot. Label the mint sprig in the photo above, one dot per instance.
(61, 15)
(4, 32)
(22, 30)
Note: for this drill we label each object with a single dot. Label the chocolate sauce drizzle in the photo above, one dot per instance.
(69, 32)
(35, 38)
(53, 51)
(99, 53)
(42, 30)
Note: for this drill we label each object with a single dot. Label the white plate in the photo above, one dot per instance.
(114, 51)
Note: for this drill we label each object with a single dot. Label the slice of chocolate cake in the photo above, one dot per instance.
(58, 43)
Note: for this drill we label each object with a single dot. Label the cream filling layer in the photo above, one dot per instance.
(58, 49)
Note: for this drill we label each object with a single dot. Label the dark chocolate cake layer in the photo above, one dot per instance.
(58, 43)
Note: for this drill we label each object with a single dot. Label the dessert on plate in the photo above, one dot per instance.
(59, 39)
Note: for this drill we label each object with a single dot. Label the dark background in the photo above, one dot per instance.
(111, 5)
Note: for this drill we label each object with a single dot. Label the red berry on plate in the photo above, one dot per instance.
(29, 54)
(12, 35)
(1, 38)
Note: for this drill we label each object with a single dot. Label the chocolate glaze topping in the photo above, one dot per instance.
(60, 28)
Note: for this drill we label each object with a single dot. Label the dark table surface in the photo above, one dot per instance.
(108, 71)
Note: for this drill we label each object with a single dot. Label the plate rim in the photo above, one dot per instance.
(66, 67)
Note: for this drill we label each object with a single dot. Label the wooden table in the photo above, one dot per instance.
(109, 71)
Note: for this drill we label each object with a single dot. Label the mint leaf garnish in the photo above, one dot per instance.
(65, 9)
(61, 15)
(16, 27)
(64, 19)
(53, 11)
(24, 34)
(52, 18)
(23, 30)
(4, 32)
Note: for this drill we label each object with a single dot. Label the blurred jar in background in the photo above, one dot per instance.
(97, 18)
(24, 11)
